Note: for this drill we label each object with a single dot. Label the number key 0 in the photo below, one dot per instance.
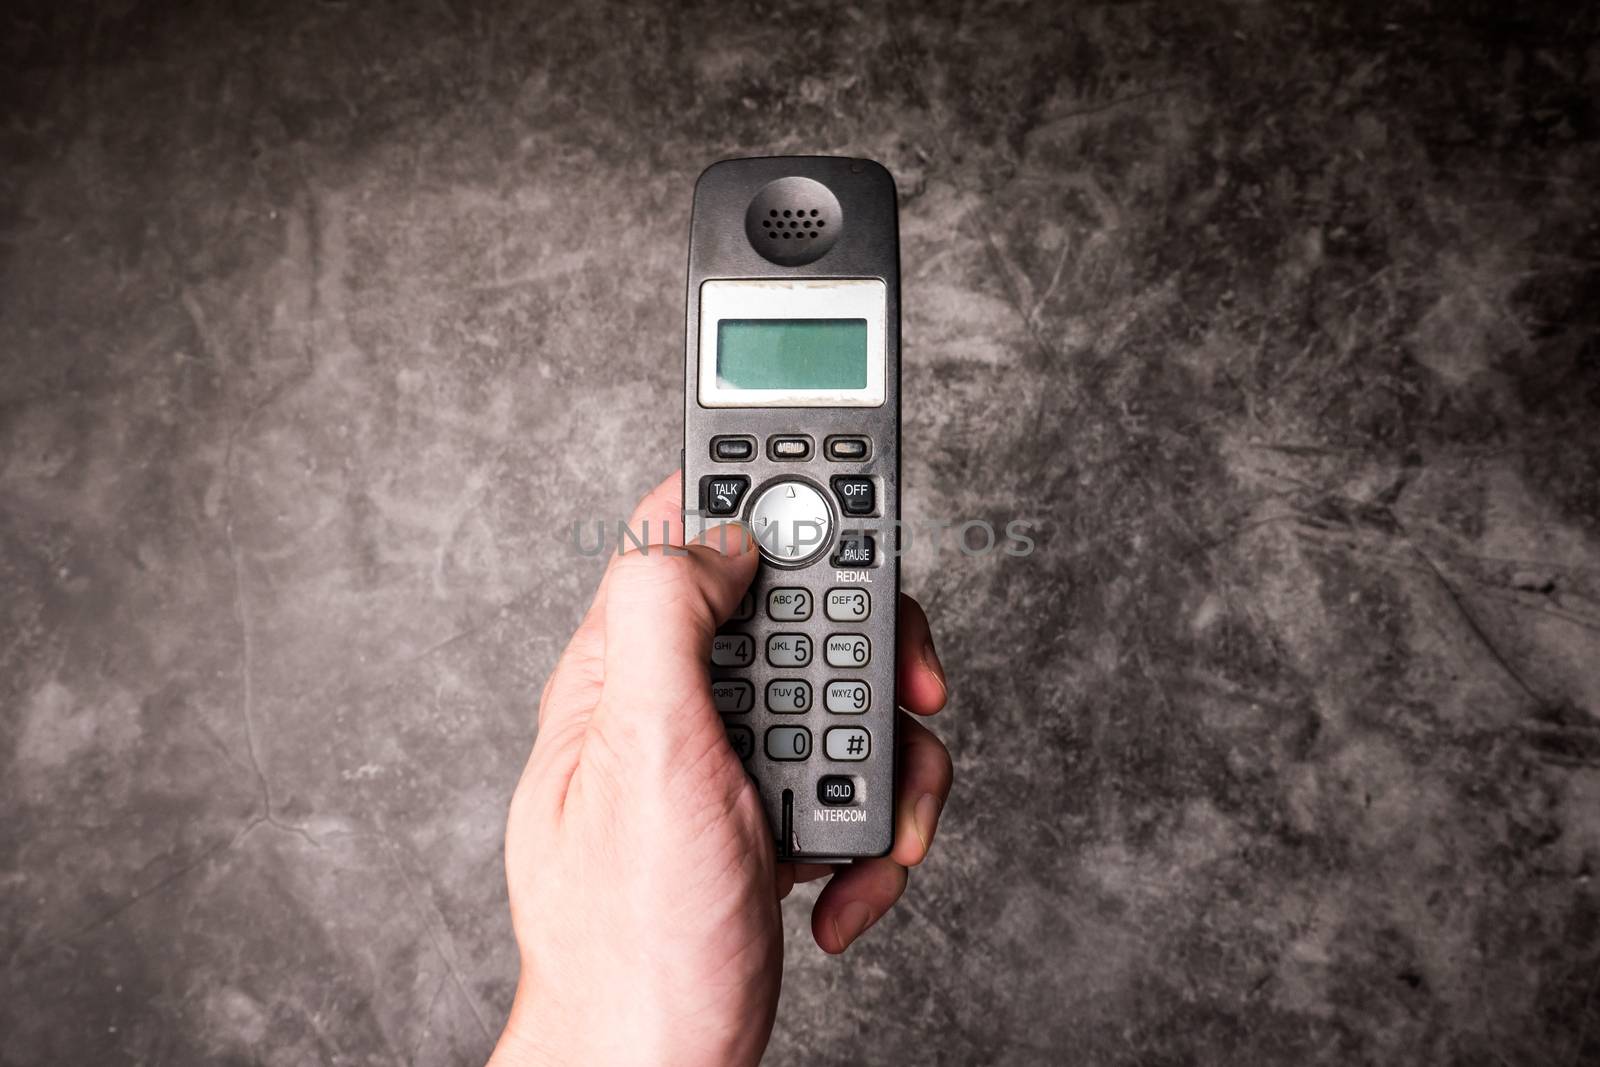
(788, 743)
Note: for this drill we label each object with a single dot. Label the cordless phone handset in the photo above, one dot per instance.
(792, 425)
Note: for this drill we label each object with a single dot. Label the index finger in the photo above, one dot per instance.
(919, 674)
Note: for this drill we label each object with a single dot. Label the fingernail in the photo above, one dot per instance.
(926, 816)
(930, 659)
(852, 920)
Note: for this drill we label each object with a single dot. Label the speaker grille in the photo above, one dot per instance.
(800, 224)
(793, 221)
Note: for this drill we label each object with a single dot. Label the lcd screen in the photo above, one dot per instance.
(792, 354)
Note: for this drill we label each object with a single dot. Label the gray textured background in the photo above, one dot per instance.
(321, 321)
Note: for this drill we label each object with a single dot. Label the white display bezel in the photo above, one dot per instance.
(811, 298)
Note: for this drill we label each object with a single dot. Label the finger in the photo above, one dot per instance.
(925, 775)
(919, 674)
(810, 872)
(574, 684)
(857, 897)
(661, 610)
(783, 875)
(798, 873)
(658, 518)
(662, 607)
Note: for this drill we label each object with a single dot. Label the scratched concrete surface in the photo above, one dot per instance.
(321, 322)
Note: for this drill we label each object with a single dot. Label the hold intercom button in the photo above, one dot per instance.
(856, 495)
(789, 448)
(856, 549)
(847, 743)
(846, 449)
(788, 696)
(788, 743)
(733, 449)
(723, 495)
(732, 696)
(836, 789)
(847, 604)
(848, 650)
(788, 650)
(733, 650)
(742, 740)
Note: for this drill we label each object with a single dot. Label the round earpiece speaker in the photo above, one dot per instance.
(793, 221)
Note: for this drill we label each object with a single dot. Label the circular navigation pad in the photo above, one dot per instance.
(791, 522)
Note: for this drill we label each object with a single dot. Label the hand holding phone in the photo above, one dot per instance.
(644, 887)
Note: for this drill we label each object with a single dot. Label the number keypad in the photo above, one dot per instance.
(779, 623)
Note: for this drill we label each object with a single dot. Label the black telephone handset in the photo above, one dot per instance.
(792, 424)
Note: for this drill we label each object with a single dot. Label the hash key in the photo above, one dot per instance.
(847, 743)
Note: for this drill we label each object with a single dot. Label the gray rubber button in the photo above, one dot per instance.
(732, 449)
(788, 650)
(732, 696)
(733, 650)
(789, 605)
(847, 448)
(788, 696)
(848, 697)
(742, 740)
(788, 743)
(848, 650)
(847, 744)
(789, 448)
(848, 604)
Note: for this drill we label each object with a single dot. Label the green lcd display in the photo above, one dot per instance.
(791, 354)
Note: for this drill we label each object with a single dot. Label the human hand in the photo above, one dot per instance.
(643, 881)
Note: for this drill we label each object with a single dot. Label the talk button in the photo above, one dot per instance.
(836, 789)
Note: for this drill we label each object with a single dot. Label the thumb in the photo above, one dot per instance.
(662, 607)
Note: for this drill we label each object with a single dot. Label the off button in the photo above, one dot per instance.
(857, 496)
